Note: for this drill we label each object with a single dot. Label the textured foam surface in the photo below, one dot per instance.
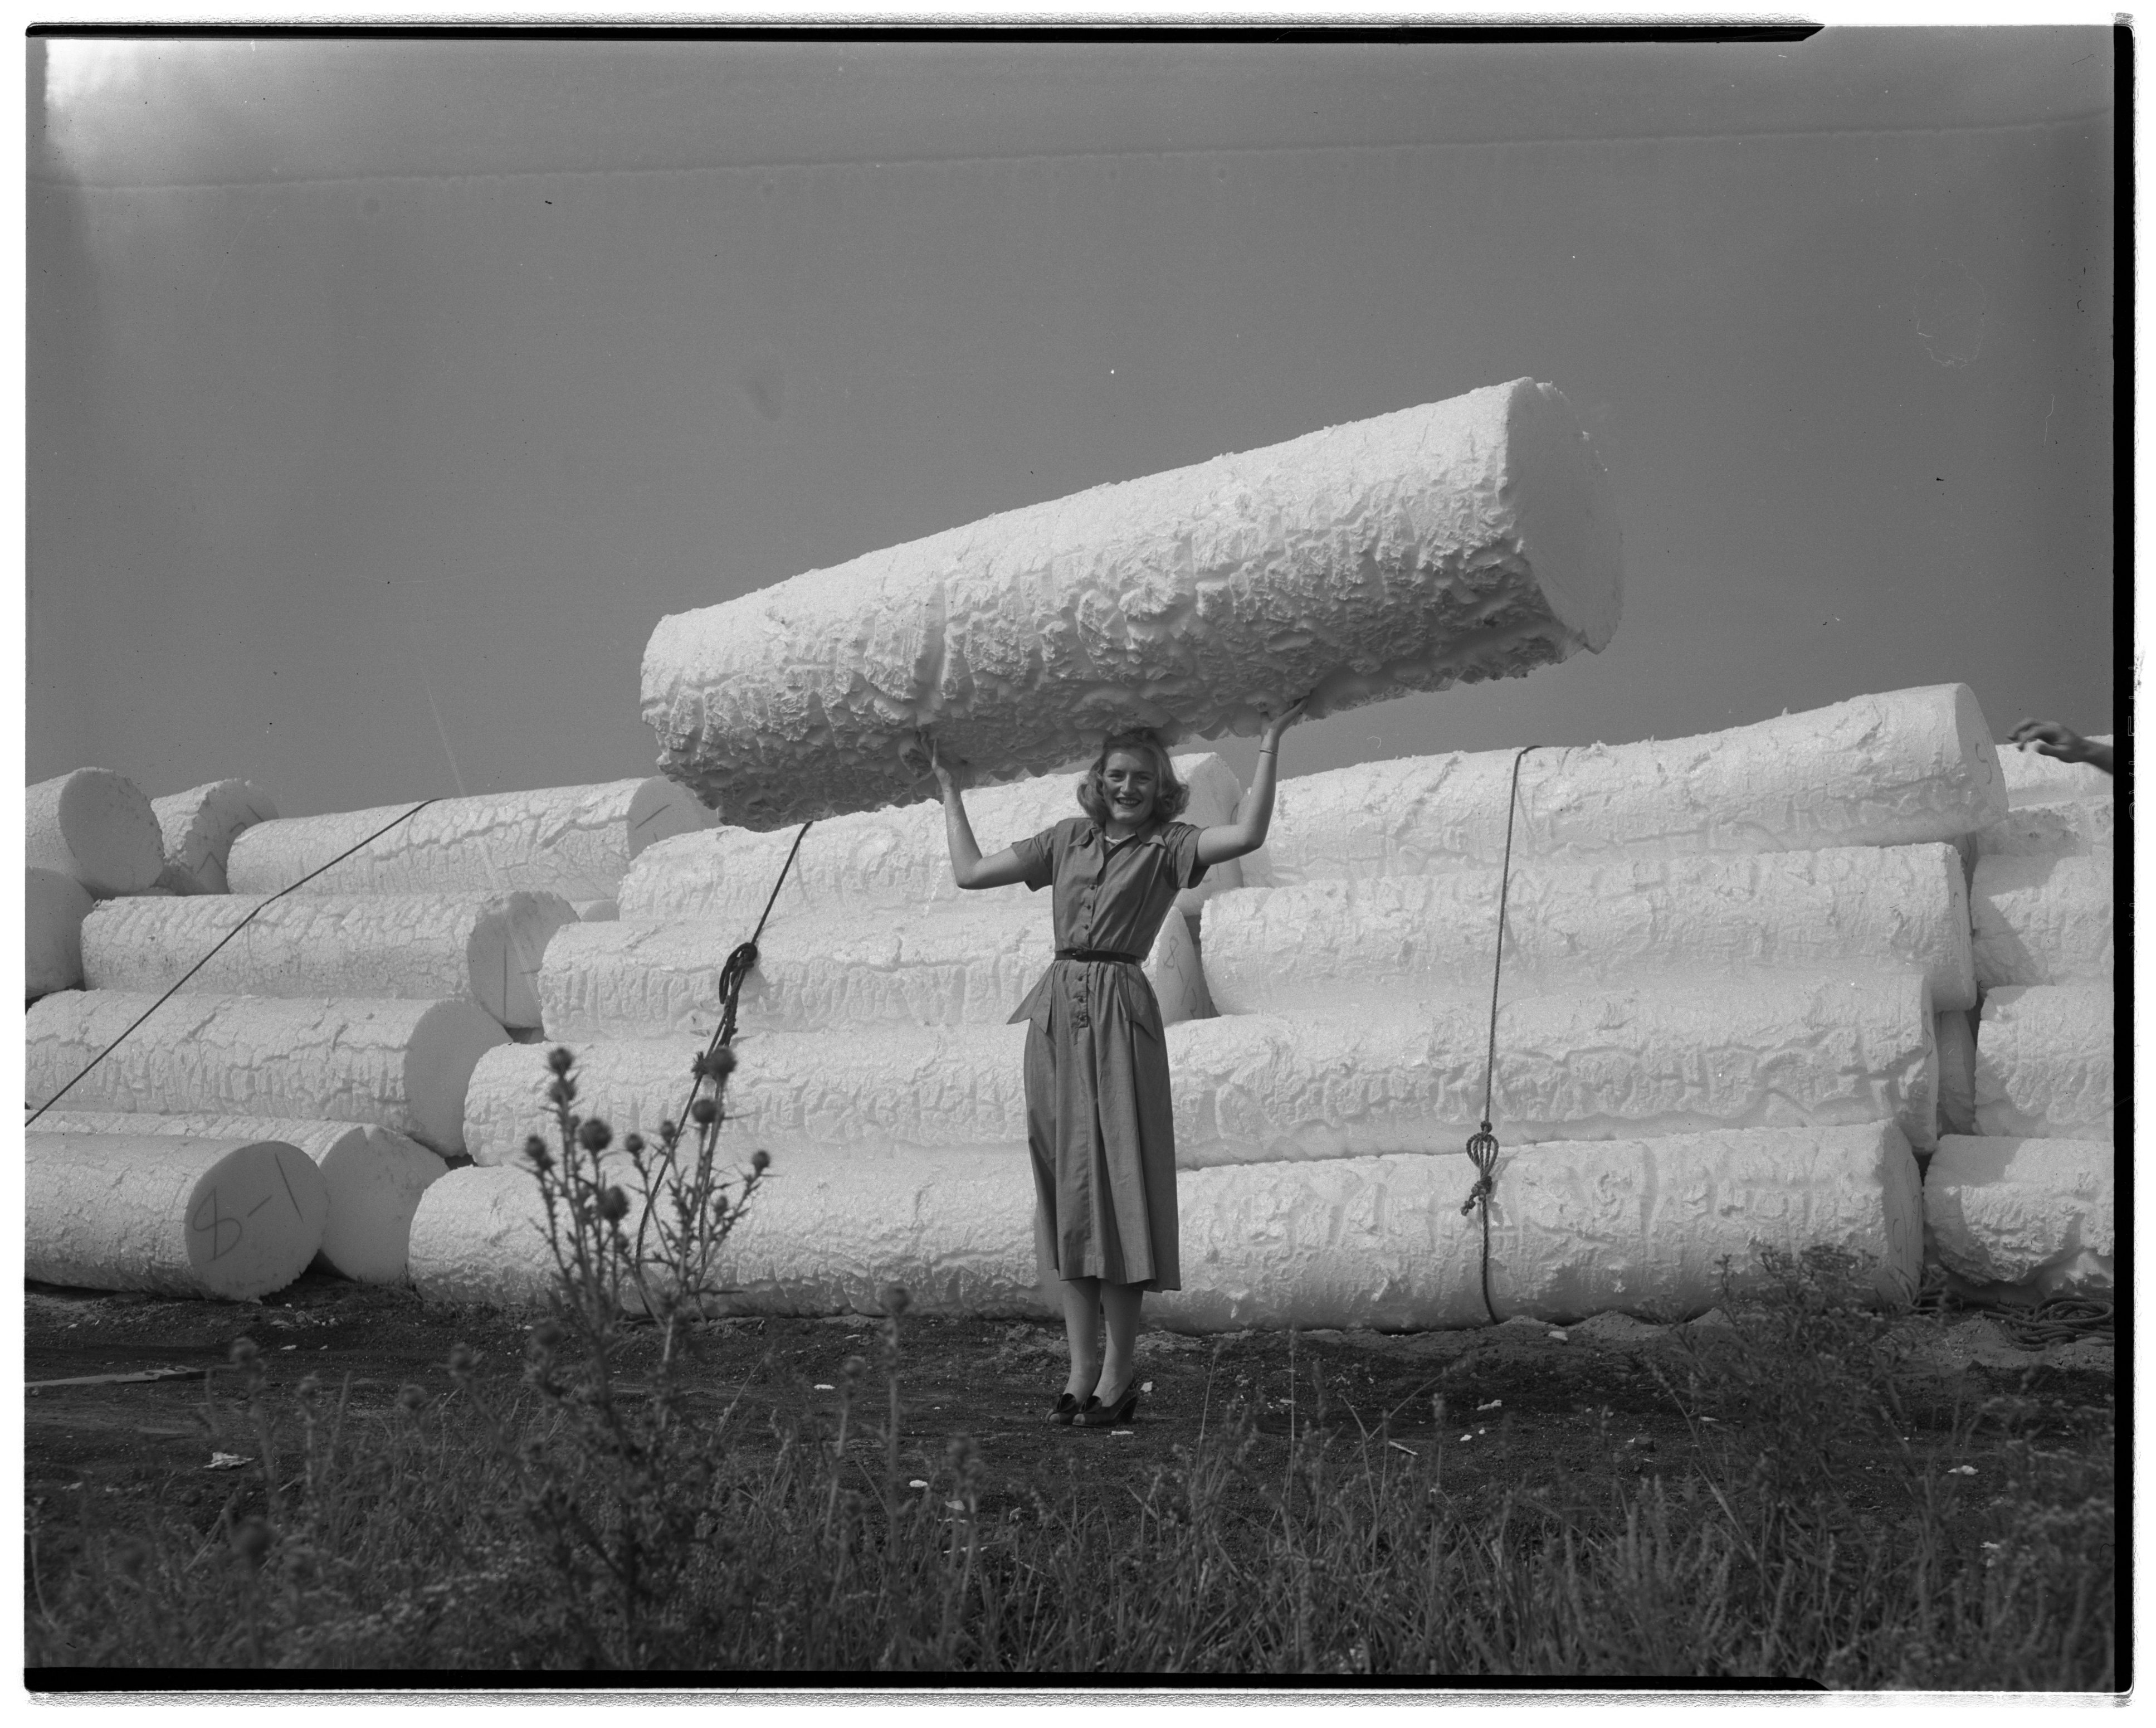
(374, 1178)
(95, 826)
(1575, 1230)
(955, 965)
(2023, 1212)
(229, 1217)
(577, 841)
(1954, 1033)
(1644, 1060)
(2034, 778)
(400, 1065)
(1605, 922)
(1407, 1077)
(54, 907)
(1638, 1226)
(2041, 920)
(200, 823)
(887, 859)
(2044, 1060)
(484, 948)
(1891, 769)
(1462, 540)
(2062, 827)
(851, 1086)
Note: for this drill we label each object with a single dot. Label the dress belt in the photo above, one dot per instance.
(1098, 953)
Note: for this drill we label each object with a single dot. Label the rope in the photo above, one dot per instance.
(1482, 1147)
(211, 954)
(2060, 1320)
(731, 976)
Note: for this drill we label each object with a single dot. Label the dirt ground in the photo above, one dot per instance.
(1524, 1404)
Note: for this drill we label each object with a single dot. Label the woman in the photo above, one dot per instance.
(1098, 1116)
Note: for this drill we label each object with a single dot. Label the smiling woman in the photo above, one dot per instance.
(1100, 1117)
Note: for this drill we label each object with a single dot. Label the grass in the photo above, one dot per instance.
(606, 1507)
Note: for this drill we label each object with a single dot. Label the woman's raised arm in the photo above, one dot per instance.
(969, 868)
(1254, 816)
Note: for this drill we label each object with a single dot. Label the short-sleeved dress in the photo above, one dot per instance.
(1099, 1118)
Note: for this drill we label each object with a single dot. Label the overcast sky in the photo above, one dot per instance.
(383, 396)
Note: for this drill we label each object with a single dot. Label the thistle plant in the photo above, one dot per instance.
(621, 1494)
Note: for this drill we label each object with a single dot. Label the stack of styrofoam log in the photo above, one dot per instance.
(2021, 1195)
(92, 836)
(1727, 956)
(351, 1010)
(873, 1024)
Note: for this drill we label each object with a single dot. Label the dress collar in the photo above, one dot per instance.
(1150, 834)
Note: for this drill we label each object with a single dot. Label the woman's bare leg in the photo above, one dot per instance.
(1120, 1303)
(1081, 1326)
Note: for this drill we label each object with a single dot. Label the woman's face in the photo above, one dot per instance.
(1130, 782)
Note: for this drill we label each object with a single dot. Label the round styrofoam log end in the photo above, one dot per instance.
(504, 951)
(376, 1181)
(200, 825)
(446, 1047)
(96, 826)
(1567, 518)
(663, 808)
(54, 907)
(256, 1220)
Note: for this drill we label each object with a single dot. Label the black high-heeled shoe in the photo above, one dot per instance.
(1094, 1414)
(1067, 1406)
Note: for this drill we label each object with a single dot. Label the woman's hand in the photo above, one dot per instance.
(951, 776)
(1280, 723)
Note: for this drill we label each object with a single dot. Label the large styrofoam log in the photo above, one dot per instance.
(1955, 1036)
(1609, 922)
(2065, 827)
(2022, 1211)
(886, 859)
(485, 947)
(95, 826)
(817, 1238)
(1406, 1077)
(577, 841)
(2044, 1062)
(200, 823)
(1673, 1057)
(2039, 919)
(402, 1065)
(1892, 770)
(1462, 540)
(950, 966)
(374, 1177)
(849, 1086)
(54, 907)
(230, 1217)
(1643, 1226)
(2033, 778)
(1575, 1229)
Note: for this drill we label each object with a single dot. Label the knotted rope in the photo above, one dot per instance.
(732, 975)
(1482, 1147)
(211, 954)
